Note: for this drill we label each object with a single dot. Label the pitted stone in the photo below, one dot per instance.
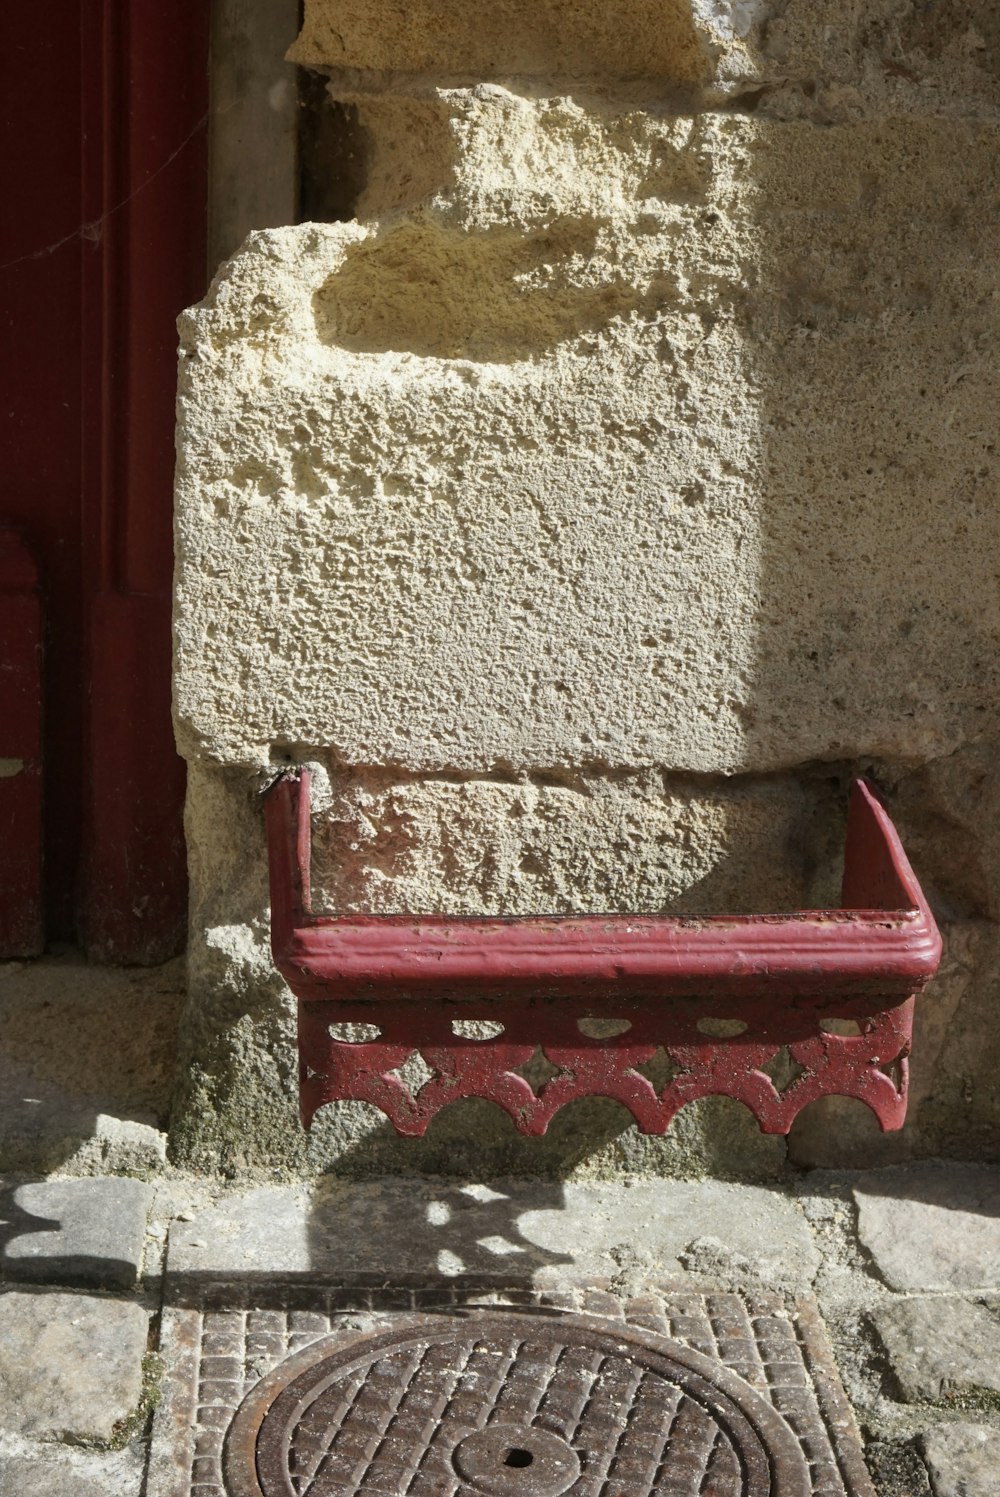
(46, 1471)
(961, 1459)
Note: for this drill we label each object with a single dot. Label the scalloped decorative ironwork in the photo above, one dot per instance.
(721, 996)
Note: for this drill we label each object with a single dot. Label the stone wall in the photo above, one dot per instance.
(621, 481)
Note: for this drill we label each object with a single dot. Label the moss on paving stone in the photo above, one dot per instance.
(137, 1422)
(897, 1469)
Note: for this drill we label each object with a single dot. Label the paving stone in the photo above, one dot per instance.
(85, 1232)
(962, 1459)
(939, 1347)
(45, 1471)
(516, 1232)
(932, 1226)
(70, 1365)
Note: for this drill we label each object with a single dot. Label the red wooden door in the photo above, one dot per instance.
(103, 181)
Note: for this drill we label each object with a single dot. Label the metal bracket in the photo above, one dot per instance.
(654, 1011)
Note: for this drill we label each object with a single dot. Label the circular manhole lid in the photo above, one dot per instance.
(508, 1404)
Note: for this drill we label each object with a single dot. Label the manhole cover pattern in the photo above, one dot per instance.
(224, 1343)
(509, 1405)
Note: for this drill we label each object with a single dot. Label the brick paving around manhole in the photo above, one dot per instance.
(219, 1344)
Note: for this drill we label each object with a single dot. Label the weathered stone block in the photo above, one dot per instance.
(645, 38)
(960, 1459)
(625, 444)
(443, 500)
(932, 1226)
(86, 1232)
(940, 1348)
(44, 1471)
(70, 1365)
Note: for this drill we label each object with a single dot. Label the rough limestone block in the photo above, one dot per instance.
(638, 433)
(939, 1348)
(584, 842)
(500, 485)
(86, 1232)
(961, 1459)
(932, 1226)
(817, 58)
(821, 56)
(646, 38)
(70, 1365)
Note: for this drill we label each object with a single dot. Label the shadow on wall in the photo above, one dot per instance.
(547, 38)
(475, 1139)
(87, 1056)
(872, 327)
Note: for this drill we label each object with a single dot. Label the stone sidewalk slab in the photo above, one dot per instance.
(511, 1233)
(70, 1365)
(89, 1233)
(52, 1471)
(961, 1460)
(939, 1347)
(932, 1226)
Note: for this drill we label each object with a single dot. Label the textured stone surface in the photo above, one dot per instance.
(961, 1459)
(641, 842)
(939, 1348)
(954, 1109)
(70, 1365)
(86, 1064)
(636, 436)
(88, 1232)
(41, 1471)
(932, 1226)
(547, 37)
(510, 1232)
(565, 570)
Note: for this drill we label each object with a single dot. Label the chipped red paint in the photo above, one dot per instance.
(668, 982)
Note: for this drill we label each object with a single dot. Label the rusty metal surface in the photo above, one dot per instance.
(510, 1404)
(772, 1010)
(232, 1335)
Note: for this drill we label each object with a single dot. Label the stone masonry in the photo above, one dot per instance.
(589, 508)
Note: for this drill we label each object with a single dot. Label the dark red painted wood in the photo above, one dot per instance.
(40, 395)
(21, 914)
(773, 981)
(104, 118)
(145, 181)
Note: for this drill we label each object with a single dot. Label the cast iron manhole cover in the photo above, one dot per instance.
(509, 1404)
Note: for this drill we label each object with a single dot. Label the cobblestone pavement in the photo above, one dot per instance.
(904, 1264)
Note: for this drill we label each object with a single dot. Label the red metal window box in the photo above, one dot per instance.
(773, 1010)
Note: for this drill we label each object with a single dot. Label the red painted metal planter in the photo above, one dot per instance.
(654, 1011)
